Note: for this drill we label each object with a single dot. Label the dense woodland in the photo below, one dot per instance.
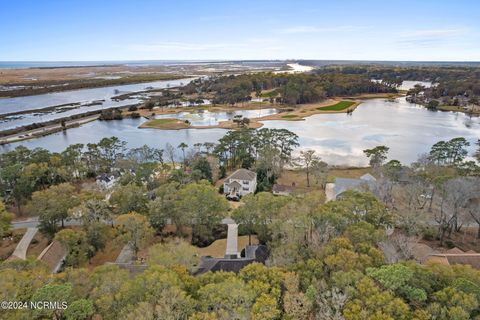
(327, 260)
(454, 85)
(285, 88)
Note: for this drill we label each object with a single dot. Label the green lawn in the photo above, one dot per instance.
(342, 105)
(165, 124)
(269, 94)
(289, 116)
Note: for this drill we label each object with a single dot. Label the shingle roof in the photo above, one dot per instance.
(234, 184)
(222, 264)
(53, 255)
(454, 251)
(256, 253)
(344, 184)
(242, 174)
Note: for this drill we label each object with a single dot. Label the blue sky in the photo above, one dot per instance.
(196, 30)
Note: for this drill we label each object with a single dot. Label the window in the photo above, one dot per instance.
(246, 182)
(245, 189)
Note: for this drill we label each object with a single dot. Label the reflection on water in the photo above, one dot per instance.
(408, 84)
(408, 129)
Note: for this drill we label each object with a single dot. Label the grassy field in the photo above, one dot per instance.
(165, 124)
(339, 106)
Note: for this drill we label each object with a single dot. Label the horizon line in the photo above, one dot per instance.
(222, 60)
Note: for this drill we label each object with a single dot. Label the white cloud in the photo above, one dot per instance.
(181, 46)
(300, 29)
(429, 38)
(434, 33)
(313, 29)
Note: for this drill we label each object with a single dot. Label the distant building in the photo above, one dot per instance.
(240, 183)
(282, 190)
(106, 181)
(367, 182)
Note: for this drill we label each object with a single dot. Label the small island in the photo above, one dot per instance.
(166, 124)
(299, 113)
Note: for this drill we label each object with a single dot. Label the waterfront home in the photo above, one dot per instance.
(233, 261)
(367, 182)
(240, 183)
(106, 181)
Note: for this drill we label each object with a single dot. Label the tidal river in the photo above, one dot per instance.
(102, 97)
(408, 129)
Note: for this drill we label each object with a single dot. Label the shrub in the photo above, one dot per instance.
(449, 244)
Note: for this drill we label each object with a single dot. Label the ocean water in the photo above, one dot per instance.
(56, 64)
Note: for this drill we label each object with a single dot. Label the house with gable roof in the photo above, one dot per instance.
(240, 183)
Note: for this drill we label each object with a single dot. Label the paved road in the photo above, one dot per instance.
(126, 255)
(33, 223)
(232, 240)
(31, 134)
(22, 246)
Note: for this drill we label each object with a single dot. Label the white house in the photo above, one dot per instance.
(107, 181)
(240, 183)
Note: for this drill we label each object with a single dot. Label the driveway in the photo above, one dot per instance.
(33, 223)
(22, 246)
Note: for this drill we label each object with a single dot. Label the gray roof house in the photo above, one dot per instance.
(367, 182)
(253, 253)
(232, 260)
(240, 183)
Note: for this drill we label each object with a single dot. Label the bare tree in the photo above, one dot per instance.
(473, 207)
(330, 304)
(320, 172)
(170, 151)
(306, 160)
(449, 209)
(399, 247)
(460, 192)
